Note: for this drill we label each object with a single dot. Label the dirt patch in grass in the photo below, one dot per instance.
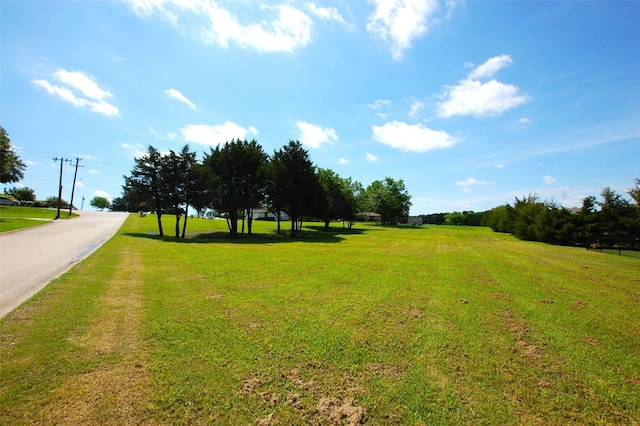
(520, 329)
(117, 390)
(336, 410)
(314, 402)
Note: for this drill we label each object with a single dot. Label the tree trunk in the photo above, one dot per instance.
(184, 225)
(249, 221)
(293, 226)
(159, 216)
(326, 225)
(278, 222)
(177, 221)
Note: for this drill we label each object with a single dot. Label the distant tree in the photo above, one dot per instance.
(100, 203)
(390, 199)
(616, 217)
(526, 212)
(146, 183)
(11, 167)
(52, 202)
(500, 219)
(24, 195)
(338, 199)
(454, 218)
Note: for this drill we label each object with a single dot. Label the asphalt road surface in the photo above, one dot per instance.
(30, 258)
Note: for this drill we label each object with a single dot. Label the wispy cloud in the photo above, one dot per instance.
(313, 135)
(79, 90)
(412, 137)
(379, 104)
(471, 181)
(416, 107)
(343, 161)
(205, 134)
(548, 179)
(134, 149)
(371, 158)
(330, 14)
(176, 94)
(283, 27)
(471, 96)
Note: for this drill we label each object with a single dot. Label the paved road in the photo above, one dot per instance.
(32, 257)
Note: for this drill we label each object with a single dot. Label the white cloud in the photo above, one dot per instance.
(288, 29)
(176, 94)
(412, 137)
(94, 172)
(474, 97)
(525, 121)
(327, 13)
(343, 161)
(313, 135)
(80, 91)
(548, 179)
(215, 135)
(371, 158)
(398, 22)
(491, 67)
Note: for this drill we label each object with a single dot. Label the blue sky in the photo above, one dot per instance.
(470, 103)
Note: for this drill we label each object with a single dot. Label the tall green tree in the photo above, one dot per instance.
(294, 186)
(390, 199)
(147, 183)
(11, 166)
(236, 179)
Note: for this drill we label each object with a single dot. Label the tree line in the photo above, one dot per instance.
(611, 216)
(238, 177)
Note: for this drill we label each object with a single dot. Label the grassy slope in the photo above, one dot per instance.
(431, 325)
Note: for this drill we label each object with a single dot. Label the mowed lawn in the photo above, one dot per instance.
(13, 218)
(417, 326)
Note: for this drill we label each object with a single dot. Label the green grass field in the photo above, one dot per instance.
(418, 326)
(13, 218)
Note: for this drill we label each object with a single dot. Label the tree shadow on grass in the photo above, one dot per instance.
(220, 237)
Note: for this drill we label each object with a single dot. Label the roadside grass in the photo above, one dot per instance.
(427, 325)
(13, 218)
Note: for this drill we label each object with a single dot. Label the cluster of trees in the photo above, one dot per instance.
(466, 218)
(530, 219)
(238, 177)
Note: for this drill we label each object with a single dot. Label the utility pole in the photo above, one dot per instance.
(73, 188)
(62, 160)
